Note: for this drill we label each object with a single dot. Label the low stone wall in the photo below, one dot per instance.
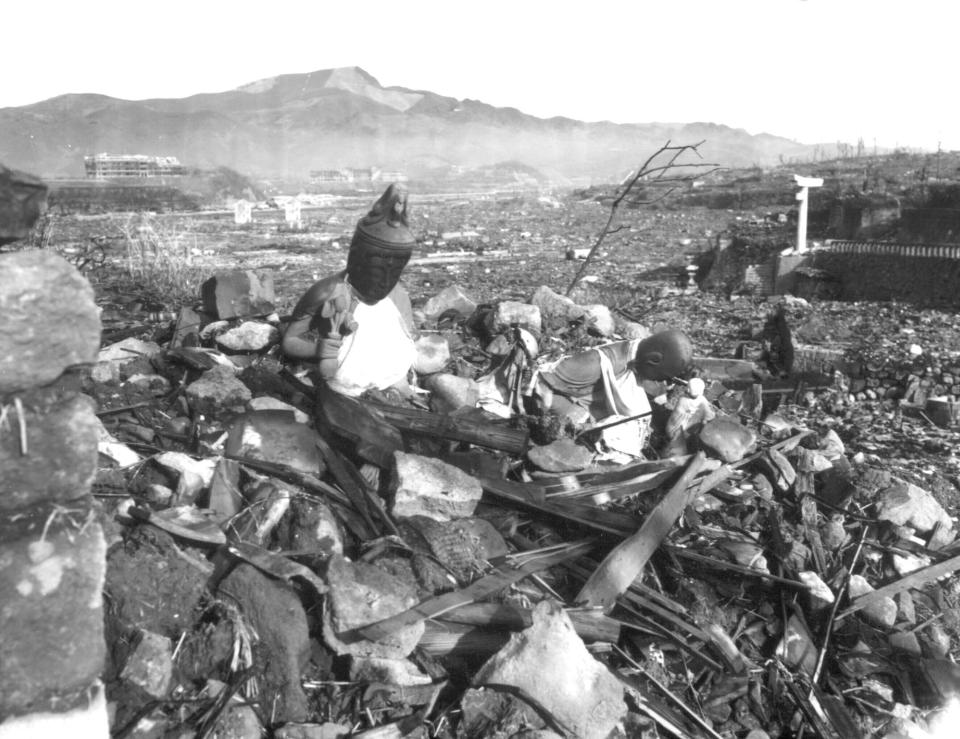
(52, 547)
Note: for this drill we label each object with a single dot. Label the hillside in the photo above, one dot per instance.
(288, 125)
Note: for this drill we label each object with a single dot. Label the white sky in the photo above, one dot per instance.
(811, 70)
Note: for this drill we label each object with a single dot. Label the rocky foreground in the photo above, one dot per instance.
(280, 561)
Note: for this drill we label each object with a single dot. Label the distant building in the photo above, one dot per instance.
(102, 166)
(357, 175)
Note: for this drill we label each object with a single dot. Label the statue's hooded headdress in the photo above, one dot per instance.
(381, 246)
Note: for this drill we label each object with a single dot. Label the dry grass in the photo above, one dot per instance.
(160, 259)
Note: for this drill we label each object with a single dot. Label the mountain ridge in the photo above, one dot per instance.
(287, 125)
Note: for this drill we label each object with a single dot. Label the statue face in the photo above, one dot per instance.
(373, 273)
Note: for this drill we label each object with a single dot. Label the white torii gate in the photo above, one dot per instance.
(804, 183)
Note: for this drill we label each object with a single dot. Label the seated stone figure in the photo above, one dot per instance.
(357, 324)
(607, 382)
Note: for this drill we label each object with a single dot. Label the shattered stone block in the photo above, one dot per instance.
(450, 392)
(150, 665)
(511, 312)
(249, 336)
(727, 440)
(275, 436)
(48, 319)
(425, 486)
(51, 583)
(450, 298)
(60, 460)
(362, 594)
(217, 391)
(111, 359)
(238, 294)
(881, 613)
(556, 310)
(551, 664)
(906, 504)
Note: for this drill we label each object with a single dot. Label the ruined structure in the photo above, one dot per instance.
(102, 166)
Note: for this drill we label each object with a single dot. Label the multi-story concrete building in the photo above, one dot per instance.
(102, 166)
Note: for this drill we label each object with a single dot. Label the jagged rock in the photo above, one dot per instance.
(833, 535)
(266, 403)
(181, 464)
(832, 445)
(550, 663)
(111, 359)
(390, 671)
(796, 648)
(225, 499)
(503, 344)
(451, 392)
(906, 641)
(510, 312)
(450, 298)
(556, 310)
(156, 385)
(310, 526)
(238, 294)
(600, 319)
(882, 613)
(562, 455)
(906, 504)
(362, 594)
(433, 353)
(49, 319)
(727, 440)
(218, 390)
(249, 336)
(425, 486)
(817, 590)
(238, 721)
(22, 197)
(274, 611)
(60, 460)
(150, 665)
(51, 582)
(313, 731)
(109, 446)
(274, 436)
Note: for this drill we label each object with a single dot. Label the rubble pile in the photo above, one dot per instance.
(284, 559)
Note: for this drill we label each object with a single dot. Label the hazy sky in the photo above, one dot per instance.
(810, 70)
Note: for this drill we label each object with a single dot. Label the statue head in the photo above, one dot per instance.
(663, 356)
(381, 246)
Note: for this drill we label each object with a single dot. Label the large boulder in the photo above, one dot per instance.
(48, 319)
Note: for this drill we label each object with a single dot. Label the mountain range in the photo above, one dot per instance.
(286, 126)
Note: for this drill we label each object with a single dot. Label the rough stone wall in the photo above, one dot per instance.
(52, 547)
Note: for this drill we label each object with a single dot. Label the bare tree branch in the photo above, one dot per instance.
(647, 172)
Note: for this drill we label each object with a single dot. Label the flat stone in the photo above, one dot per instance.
(817, 590)
(600, 319)
(274, 611)
(51, 584)
(111, 359)
(562, 455)
(88, 718)
(217, 391)
(426, 486)
(727, 440)
(60, 462)
(389, 671)
(238, 294)
(362, 594)
(450, 298)
(796, 648)
(150, 665)
(556, 310)
(882, 613)
(906, 641)
(510, 312)
(50, 319)
(249, 336)
(433, 353)
(266, 403)
(550, 663)
(275, 436)
(906, 504)
(451, 392)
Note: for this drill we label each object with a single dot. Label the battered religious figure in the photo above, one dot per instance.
(357, 324)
